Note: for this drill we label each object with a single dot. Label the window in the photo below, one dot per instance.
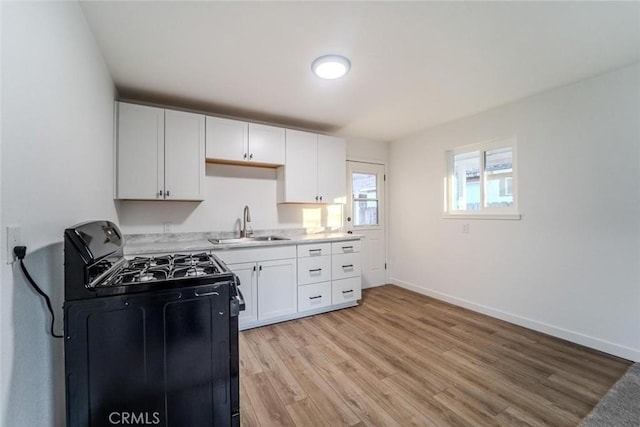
(481, 181)
(365, 199)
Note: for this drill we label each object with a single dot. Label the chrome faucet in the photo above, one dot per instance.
(246, 217)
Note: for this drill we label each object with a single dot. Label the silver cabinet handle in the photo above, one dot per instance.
(316, 297)
(347, 248)
(315, 250)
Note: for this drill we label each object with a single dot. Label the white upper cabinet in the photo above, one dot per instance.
(314, 171)
(139, 152)
(266, 144)
(233, 141)
(226, 139)
(332, 169)
(159, 154)
(300, 181)
(184, 166)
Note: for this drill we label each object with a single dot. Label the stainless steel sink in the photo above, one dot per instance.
(247, 239)
(269, 238)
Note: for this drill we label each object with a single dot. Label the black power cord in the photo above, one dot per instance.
(20, 252)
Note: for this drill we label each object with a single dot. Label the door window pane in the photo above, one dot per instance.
(365, 212)
(365, 186)
(365, 199)
(499, 172)
(466, 181)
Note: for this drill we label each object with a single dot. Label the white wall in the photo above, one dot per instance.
(57, 130)
(228, 189)
(571, 266)
(367, 150)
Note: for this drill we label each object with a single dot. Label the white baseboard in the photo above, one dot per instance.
(578, 338)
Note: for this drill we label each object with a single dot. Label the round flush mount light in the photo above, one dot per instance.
(331, 67)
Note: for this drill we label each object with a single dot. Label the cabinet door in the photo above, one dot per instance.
(139, 152)
(184, 156)
(266, 144)
(247, 274)
(298, 180)
(277, 289)
(226, 139)
(332, 169)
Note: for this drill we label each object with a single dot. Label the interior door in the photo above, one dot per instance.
(366, 216)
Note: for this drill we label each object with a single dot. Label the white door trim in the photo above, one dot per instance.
(383, 206)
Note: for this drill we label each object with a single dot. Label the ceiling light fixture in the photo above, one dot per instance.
(330, 67)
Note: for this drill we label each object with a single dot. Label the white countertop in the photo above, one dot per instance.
(177, 243)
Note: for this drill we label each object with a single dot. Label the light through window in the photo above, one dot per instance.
(481, 179)
(365, 199)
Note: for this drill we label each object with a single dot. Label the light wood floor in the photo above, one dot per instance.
(401, 358)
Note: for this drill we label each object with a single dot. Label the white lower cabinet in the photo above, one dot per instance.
(285, 282)
(277, 288)
(314, 270)
(346, 290)
(268, 282)
(314, 296)
(248, 278)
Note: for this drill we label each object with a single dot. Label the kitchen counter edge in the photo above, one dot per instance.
(172, 246)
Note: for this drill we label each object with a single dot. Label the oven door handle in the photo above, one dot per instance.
(237, 304)
(240, 299)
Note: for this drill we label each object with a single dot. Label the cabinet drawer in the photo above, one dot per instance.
(345, 265)
(346, 290)
(314, 250)
(314, 296)
(345, 247)
(314, 269)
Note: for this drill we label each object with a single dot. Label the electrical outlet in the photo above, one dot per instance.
(13, 240)
(168, 227)
(465, 228)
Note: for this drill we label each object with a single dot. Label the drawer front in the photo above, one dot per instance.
(346, 290)
(345, 265)
(347, 247)
(314, 296)
(314, 250)
(314, 269)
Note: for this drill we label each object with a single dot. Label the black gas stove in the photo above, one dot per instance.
(152, 338)
(95, 265)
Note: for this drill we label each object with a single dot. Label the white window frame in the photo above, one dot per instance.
(508, 213)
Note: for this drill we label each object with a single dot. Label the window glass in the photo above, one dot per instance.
(365, 199)
(481, 181)
(466, 181)
(365, 212)
(498, 171)
(364, 186)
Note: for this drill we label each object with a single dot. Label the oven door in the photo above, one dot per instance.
(161, 358)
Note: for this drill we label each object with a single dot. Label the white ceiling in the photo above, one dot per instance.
(414, 64)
